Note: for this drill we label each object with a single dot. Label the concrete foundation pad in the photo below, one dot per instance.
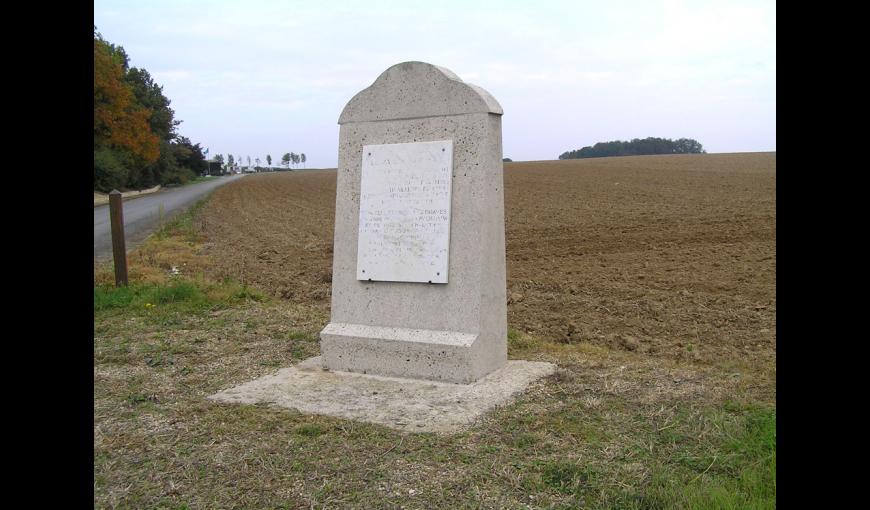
(403, 404)
(446, 356)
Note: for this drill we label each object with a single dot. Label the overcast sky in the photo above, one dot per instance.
(254, 77)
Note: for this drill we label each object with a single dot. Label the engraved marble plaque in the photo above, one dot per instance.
(404, 212)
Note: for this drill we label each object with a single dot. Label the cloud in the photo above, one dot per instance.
(171, 76)
(576, 71)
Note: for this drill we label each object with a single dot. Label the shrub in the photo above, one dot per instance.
(109, 171)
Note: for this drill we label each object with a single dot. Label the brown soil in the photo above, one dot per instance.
(671, 256)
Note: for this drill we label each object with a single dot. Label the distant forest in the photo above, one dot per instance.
(637, 147)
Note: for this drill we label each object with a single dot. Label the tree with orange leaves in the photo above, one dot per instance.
(119, 121)
(136, 144)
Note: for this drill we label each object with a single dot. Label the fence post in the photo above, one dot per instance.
(119, 250)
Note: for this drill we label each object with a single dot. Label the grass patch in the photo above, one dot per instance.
(169, 302)
(198, 179)
(518, 341)
(173, 251)
(576, 443)
(602, 433)
(301, 335)
(567, 477)
(733, 469)
(182, 225)
(310, 430)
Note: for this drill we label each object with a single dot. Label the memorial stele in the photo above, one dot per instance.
(418, 278)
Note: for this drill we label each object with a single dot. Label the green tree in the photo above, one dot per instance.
(118, 53)
(120, 122)
(109, 172)
(167, 170)
(136, 143)
(163, 124)
(269, 160)
(124, 144)
(689, 146)
(190, 156)
(150, 95)
(285, 159)
(636, 146)
(302, 157)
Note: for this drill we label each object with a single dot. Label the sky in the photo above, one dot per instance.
(252, 78)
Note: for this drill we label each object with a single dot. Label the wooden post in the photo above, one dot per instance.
(119, 250)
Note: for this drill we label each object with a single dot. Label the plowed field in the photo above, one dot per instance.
(671, 256)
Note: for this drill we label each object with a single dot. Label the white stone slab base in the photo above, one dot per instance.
(403, 404)
(445, 356)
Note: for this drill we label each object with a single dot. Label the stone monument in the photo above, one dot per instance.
(418, 335)
(418, 279)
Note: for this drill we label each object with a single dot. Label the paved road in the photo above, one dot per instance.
(142, 215)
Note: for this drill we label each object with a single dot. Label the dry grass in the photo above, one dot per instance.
(620, 416)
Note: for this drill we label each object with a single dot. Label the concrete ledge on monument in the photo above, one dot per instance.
(447, 356)
(402, 404)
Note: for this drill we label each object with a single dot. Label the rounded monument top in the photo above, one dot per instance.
(412, 90)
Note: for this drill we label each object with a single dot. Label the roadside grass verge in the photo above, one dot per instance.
(198, 179)
(172, 251)
(182, 225)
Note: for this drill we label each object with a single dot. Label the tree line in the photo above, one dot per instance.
(237, 161)
(293, 158)
(136, 143)
(637, 147)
